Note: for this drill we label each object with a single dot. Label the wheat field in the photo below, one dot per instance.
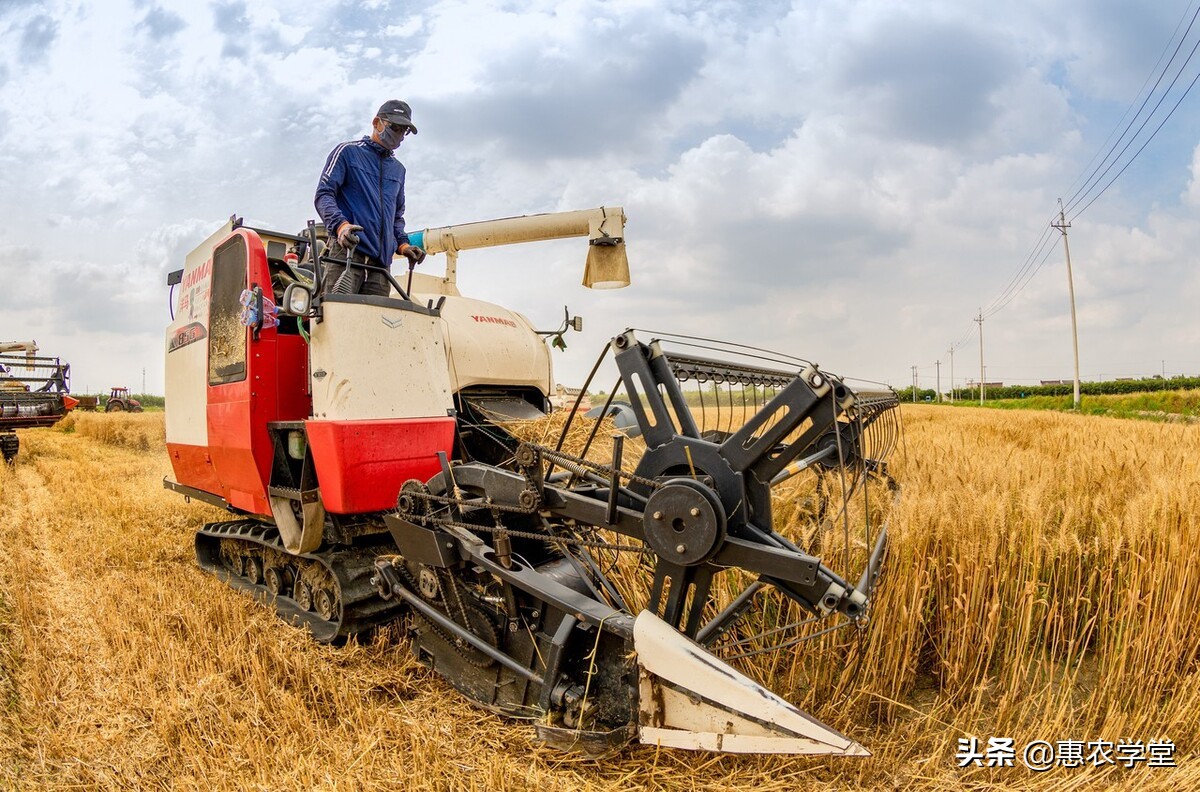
(1042, 585)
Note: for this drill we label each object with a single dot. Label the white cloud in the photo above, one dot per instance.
(409, 27)
(848, 179)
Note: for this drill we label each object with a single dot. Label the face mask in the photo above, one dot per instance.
(391, 139)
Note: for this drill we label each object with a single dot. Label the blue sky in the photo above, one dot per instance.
(846, 181)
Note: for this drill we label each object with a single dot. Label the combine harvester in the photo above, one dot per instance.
(360, 444)
(34, 391)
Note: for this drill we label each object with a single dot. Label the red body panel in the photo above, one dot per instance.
(237, 462)
(293, 402)
(233, 438)
(362, 464)
(237, 431)
(193, 467)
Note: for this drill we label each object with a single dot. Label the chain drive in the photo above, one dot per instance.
(451, 593)
(424, 514)
(579, 465)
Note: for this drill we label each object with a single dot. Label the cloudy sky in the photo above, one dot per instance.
(846, 181)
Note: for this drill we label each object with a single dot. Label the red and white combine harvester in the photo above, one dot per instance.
(363, 448)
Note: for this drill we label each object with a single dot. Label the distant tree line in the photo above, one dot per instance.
(1147, 385)
(148, 399)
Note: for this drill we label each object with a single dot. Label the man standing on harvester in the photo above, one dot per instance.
(360, 198)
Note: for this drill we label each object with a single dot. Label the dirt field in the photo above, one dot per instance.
(1042, 586)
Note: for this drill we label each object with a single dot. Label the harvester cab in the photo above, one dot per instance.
(369, 451)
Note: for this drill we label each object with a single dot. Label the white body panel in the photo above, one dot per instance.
(490, 345)
(372, 362)
(187, 392)
(187, 347)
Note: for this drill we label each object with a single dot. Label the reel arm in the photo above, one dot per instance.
(697, 504)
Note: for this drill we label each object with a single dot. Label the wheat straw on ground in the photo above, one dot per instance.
(1041, 585)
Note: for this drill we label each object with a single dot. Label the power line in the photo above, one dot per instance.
(1025, 274)
(1048, 248)
(1139, 151)
(1132, 102)
(1041, 250)
(1125, 148)
(1096, 175)
(1015, 278)
(963, 340)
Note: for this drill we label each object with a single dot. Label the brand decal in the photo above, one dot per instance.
(193, 277)
(494, 320)
(193, 300)
(188, 334)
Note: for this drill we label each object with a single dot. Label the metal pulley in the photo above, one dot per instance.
(684, 522)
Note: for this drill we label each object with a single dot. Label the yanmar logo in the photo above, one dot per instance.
(494, 320)
(196, 275)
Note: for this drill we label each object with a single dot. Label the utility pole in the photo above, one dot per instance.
(937, 364)
(952, 375)
(143, 381)
(914, 384)
(1062, 225)
(979, 319)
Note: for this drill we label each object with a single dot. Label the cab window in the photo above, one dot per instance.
(226, 333)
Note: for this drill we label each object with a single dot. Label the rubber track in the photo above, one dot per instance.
(359, 605)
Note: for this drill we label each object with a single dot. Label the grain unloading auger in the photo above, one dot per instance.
(376, 473)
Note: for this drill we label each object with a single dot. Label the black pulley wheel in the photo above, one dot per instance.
(684, 522)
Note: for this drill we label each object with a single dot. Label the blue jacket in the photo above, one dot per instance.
(364, 184)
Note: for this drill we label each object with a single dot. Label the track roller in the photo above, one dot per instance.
(278, 580)
(328, 591)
